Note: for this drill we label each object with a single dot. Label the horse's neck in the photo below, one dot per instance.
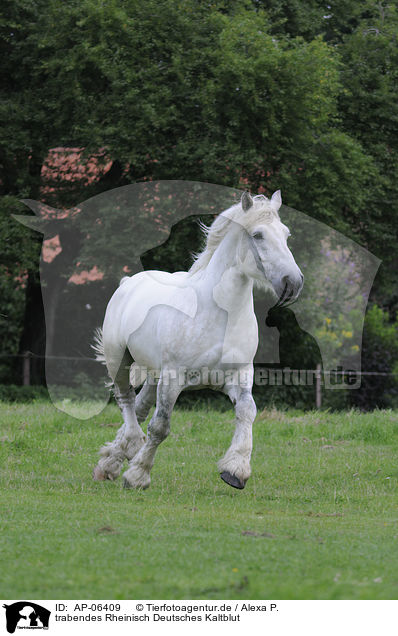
(224, 282)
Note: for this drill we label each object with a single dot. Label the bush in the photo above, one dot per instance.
(15, 393)
(379, 354)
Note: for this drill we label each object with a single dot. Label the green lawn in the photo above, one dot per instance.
(318, 519)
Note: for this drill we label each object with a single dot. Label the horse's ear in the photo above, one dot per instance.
(246, 201)
(276, 200)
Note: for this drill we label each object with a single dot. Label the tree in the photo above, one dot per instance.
(253, 94)
(369, 112)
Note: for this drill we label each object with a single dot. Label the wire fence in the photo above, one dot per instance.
(29, 355)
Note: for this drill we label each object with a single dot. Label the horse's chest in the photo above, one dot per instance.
(215, 338)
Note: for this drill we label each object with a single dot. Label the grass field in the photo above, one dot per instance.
(318, 519)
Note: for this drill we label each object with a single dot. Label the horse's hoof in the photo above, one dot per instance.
(232, 480)
(99, 475)
(129, 486)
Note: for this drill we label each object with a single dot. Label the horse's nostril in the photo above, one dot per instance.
(288, 284)
(291, 287)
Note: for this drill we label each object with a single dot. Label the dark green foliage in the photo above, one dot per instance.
(380, 353)
(15, 393)
(297, 95)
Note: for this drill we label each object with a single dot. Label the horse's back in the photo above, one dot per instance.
(135, 308)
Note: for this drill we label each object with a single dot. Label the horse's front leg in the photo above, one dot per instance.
(234, 467)
(138, 473)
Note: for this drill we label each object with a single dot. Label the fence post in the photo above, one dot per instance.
(26, 369)
(318, 387)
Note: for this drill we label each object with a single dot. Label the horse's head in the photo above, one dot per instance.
(266, 255)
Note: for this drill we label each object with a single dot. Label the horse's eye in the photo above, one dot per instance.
(258, 236)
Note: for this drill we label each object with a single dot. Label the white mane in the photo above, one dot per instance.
(260, 212)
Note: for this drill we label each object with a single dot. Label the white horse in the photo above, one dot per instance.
(195, 328)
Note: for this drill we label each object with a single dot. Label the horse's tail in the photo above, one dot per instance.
(98, 345)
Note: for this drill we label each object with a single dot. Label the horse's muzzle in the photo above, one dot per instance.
(291, 289)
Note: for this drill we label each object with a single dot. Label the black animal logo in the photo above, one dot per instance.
(32, 615)
(298, 349)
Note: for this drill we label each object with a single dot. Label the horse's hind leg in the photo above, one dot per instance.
(130, 436)
(145, 400)
(138, 473)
